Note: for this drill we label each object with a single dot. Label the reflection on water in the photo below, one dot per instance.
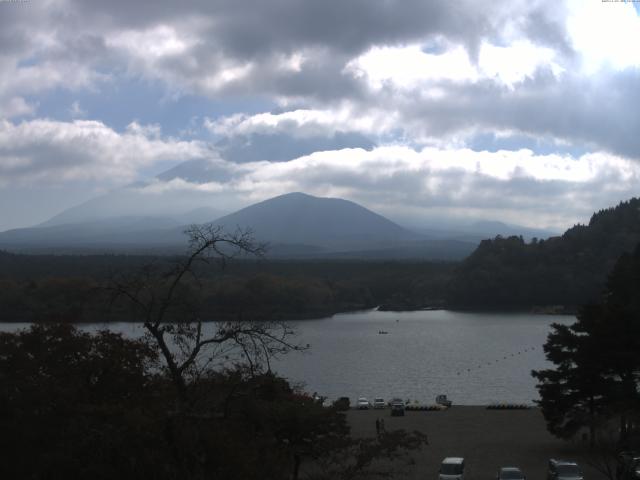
(474, 358)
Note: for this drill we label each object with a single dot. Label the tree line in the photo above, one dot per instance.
(569, 270)
(74, 289)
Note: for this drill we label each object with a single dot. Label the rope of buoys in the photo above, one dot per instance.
(425, 408)
(528, 349)
(508, 406)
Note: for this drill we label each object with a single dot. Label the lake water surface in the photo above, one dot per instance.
(474, 358)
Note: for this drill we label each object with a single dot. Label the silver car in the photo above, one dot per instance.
(451, 468)
(563, 470)
(510, 473)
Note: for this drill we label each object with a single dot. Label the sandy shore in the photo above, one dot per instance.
(487, 439)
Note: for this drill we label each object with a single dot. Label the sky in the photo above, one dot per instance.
(520, 111)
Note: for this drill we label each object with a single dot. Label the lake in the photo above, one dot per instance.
(473, 358)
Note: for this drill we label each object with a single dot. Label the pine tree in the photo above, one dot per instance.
(597, 360)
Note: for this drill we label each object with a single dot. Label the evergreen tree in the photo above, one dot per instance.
(597, 366)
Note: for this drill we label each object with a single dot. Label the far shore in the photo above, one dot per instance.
(319, 315)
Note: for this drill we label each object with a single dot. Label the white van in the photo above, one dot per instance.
(452, 468)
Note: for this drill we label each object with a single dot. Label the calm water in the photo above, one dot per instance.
(424, 354)
(474, 358)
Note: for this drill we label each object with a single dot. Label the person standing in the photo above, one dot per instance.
(377, 426)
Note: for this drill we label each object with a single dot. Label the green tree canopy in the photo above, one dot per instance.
(597, 366)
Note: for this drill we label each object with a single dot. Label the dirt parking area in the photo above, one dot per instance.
(487, 439)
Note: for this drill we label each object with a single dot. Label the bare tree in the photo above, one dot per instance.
(165, 299)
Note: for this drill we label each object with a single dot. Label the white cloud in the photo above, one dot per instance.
(153, 43)
(518, 186)
(52, 151)
(410, 67)
(516, 62)
(413, 73)
(606, 34)
(304, 123)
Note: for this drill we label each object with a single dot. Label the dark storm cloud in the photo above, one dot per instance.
(259, 32)
(546, 27)
(251, 29)
(599, 114)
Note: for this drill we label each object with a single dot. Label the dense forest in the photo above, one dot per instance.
(569, 270)
(75, 288)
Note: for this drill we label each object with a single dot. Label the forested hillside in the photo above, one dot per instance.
(73, 288)
(569, 270)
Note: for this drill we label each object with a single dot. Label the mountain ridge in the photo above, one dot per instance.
(297, 225)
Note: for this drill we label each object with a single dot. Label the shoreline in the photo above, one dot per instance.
(320, 315)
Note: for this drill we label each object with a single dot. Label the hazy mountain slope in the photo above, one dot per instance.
(478, 231)
(331, 223)
(140, 198)
(490, 229)
(120, 231)
(566, 270)
(294, 225)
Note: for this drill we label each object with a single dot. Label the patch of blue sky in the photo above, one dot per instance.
(434, 47)
(117, 104)
(28, 62)
(492, 143)
(397, 136)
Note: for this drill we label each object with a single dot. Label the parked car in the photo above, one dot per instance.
(363, 403)
(342, 403)
(510, 473)
(451, 468)
(379, 403)
(397, 407)
(628, 467)
(563, 470)
(443, 400)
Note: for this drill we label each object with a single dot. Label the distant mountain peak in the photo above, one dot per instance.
(332, 223)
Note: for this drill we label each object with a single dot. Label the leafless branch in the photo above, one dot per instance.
(153, 294)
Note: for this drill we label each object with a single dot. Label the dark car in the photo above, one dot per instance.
(563, 470)
(628, 467)
(343, 403)
(397, 407)
(510, 473)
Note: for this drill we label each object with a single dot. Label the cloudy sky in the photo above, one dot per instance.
(523, 111)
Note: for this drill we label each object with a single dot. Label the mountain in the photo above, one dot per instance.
(566, 270)
(295, 225)
(129, 233)
(131, 201)
(330, 223)
(157, 197)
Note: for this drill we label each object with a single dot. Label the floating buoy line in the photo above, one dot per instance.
(493, 362)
